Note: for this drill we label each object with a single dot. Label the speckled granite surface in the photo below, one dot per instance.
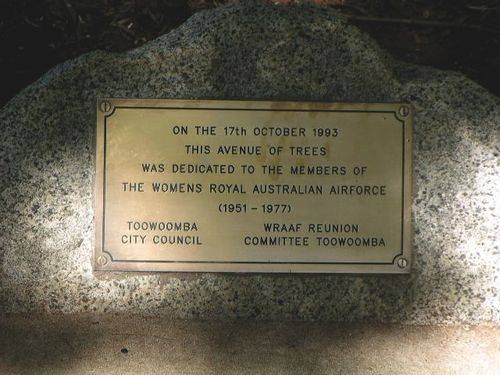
(252, 51)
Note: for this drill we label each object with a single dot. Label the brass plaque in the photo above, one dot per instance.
(252, 186)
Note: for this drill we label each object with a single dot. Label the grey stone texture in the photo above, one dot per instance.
(252, 50)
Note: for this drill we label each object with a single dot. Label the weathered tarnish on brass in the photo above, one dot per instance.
(133, 132)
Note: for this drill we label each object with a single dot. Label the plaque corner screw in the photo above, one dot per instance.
(102, 260)
(402, 262)
(404, 110)
(105, 106)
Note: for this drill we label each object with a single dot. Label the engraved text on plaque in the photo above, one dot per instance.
(252, 186)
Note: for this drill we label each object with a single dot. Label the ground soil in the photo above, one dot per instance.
(35, 35)
(120, 344)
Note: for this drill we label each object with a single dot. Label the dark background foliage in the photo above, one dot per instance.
(37, 34)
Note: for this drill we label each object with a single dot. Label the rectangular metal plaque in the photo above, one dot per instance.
(252, 186)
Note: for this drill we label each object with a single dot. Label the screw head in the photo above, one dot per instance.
(105, 106)
(101, 260)
(402, 262)
(404, 110)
